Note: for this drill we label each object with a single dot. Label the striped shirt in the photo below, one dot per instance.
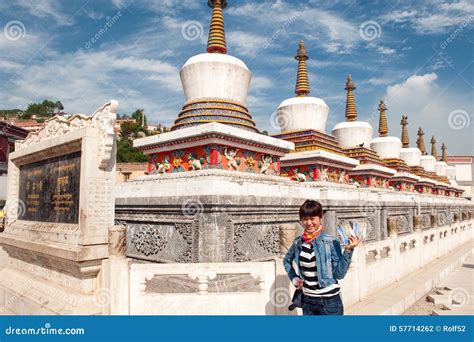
(311, 286)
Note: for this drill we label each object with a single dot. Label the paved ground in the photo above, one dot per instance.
(453, 296)
(407, 296)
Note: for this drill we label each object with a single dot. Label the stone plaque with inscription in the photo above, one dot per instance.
(58, 213)
(49, 189)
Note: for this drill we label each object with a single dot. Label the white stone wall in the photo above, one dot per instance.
(374, 266)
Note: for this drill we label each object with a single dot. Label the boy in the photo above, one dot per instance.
(320, 263)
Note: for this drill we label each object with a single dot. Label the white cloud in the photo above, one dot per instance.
(434, 17)
(336, 34)
(84, 80)
(260, 82)
(428, 105)
(245, 43)
(46, 9)
(385, 50)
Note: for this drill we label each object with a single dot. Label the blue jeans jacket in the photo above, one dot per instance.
(331, 263)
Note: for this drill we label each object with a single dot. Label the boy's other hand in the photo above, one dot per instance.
(354, 241)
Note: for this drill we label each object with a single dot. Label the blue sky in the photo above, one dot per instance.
(417, 56)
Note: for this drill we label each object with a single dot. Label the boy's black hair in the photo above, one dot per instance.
(311, 208)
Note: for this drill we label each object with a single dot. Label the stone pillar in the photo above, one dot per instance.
(392, 226)
(212, 238)
(417, 222)
(382, 233)
(115, 290)
(434, 220)
(287, 236)
(464, 215)
(117, 245)
(329, 222)
(456, 217)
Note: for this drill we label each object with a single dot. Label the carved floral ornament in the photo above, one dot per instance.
(103, 119)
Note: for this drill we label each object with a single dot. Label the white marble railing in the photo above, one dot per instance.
(378, 264)
(262, 288)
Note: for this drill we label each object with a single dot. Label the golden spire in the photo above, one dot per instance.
(434, 153)
(421, 141)
(383, 129)
(405, 137)
(444, 155)
(351, 112)
(302, 83)
(216, 40)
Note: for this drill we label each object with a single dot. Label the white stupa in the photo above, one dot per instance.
(352, 133)
(427, 162)
(302, 112)
(215, 84)
(386, 147)
(441, 167)
(411, 155)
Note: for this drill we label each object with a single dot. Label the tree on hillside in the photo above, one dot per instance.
(45, 108)
(140, 117)
(126, 153)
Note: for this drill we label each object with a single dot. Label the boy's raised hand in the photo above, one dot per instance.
(353, 242)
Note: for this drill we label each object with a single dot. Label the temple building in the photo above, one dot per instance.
(205, 230)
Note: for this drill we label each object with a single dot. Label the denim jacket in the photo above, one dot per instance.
(331, 263)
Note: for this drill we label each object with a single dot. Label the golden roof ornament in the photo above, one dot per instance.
(302, 82)
(383, 128)
(216, 42)
(421, 141)
(434, 152)
(351, 112)
(405, 137)
(444, 154)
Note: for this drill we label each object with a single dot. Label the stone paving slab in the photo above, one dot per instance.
(396, 298)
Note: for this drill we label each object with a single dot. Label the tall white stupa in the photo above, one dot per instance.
(214, 129)
(389, 149)
(355, 138)
(411, 155)
(302, 120)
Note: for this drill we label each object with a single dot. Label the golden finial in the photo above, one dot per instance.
(434, 153)
(383, 128)
(405, 137)
(444, 154)
(421, 141)
(216, 40)
(302, 82)
(351, 112)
